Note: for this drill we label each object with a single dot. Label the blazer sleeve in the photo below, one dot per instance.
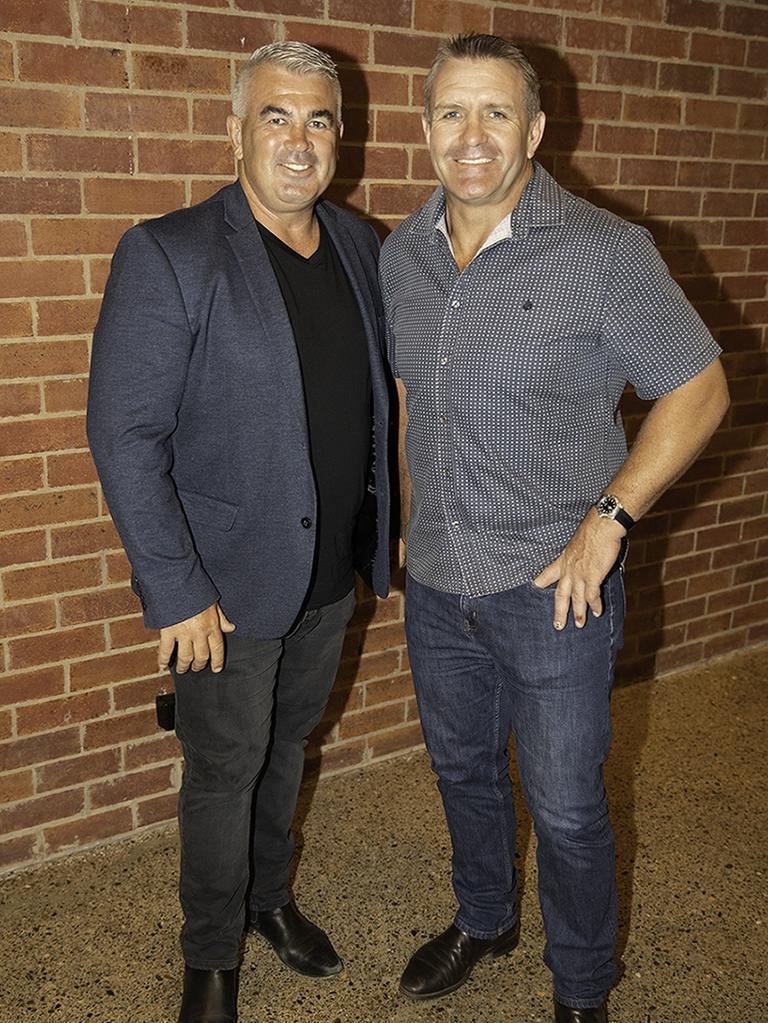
(141, 351)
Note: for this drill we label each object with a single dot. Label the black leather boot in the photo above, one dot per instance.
(299, 943)
(446, 962)
(210, 996)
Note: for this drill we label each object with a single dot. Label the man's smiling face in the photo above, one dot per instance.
(480, 137)
(287, 142)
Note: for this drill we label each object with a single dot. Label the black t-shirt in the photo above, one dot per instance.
(331, 343)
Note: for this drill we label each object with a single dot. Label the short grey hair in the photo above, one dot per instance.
(298, 58)
(475, 46)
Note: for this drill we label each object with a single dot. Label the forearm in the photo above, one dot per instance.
(675, 431)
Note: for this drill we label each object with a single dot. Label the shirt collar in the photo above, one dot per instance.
(502, 230)
(540, 205)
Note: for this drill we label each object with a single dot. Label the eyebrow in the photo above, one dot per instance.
(456, 105)
(282, 112)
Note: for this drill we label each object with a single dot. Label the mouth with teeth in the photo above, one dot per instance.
(475, 161)
(298, 168)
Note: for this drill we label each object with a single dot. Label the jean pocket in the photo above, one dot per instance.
(541, 589)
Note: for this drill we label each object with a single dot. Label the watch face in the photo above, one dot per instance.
(607, 506)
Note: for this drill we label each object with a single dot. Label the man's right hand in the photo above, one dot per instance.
(197, 640)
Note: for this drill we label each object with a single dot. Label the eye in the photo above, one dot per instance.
(276, 120)
(451, 115)
(319, 125)
(497, 115)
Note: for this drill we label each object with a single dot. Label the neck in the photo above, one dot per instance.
(299, 229)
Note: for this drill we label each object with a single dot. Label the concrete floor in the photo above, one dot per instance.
(95, 937)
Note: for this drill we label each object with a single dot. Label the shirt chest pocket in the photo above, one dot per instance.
(557, 328)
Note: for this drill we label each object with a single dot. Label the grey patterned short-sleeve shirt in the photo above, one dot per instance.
(514, 369)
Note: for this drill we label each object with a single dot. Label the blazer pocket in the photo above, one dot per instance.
(208, 511)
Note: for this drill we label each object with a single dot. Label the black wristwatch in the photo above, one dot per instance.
(610, 507)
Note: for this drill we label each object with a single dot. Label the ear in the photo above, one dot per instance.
(426, 127)
(535, 133)
(341, 130)
(235, 133)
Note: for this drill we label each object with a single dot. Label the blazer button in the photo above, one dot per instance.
(306, 523)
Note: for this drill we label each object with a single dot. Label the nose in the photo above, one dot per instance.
(297, 136)
(473, 133)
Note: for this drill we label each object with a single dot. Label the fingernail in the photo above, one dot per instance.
(558, 625)
(597, 614)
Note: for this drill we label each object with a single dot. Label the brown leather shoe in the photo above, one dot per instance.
(210, 996)
(567, 1014)
(446, 962)
(299, 943)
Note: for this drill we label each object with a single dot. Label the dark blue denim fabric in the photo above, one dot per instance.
(243, 733)
(485, 667)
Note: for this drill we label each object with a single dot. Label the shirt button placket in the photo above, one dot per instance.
(444, 404)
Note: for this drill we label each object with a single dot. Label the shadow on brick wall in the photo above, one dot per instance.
(651, 624)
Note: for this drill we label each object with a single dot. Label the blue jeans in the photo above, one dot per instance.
(487, 666)
(243, 733)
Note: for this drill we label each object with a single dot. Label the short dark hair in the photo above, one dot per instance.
(476, 46)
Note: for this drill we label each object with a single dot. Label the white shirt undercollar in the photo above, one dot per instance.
(502, 230)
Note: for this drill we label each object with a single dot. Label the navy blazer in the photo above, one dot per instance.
(197, 420)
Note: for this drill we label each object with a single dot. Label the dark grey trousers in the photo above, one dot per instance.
(243, 733)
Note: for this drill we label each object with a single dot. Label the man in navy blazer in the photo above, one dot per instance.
(238, 419)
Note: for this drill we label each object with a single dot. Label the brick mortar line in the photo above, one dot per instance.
(45, 174)
(153, 5)
(43, 857)
(87, 813)
(64, 630)
(167, 762)
(52, 525)
(564, 49)
(31, 670)
(63, 594)
(410, 70)
(74, 18)
(57, 488)
(111, 714)
(403, 698)
(68, 662)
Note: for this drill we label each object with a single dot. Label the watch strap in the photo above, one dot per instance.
(624, 518)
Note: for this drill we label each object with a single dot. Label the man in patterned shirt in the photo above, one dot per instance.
(516, 313)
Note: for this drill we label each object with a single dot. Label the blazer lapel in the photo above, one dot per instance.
(276, 331)
(358, 280)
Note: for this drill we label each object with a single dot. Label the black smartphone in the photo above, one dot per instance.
(165, 706)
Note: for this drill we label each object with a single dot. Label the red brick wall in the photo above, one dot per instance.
(113, 112)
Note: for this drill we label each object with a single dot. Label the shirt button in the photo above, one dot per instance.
(306, 523)
(444, 360)
(455, 525)
(443, 418)
(455, 303)
(446, 472)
